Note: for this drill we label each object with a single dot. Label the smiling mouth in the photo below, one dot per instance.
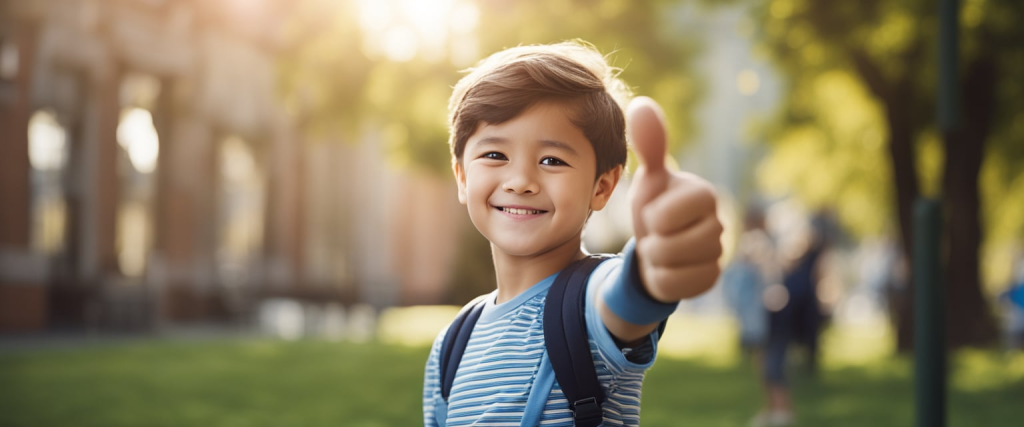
(519, 211)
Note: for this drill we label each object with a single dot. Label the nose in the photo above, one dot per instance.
(521, 180)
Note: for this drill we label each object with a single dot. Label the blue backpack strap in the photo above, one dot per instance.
(455, 341)
(565, 336)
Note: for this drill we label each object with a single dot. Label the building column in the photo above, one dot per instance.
(284, 244)
(103, 113)
(184, 214)
(23, 274)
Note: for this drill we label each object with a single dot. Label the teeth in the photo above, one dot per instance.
(516, 211)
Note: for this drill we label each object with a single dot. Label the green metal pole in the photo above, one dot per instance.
(929, 316)
(929, 289)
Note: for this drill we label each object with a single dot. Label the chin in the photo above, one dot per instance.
(523, 247)
(517, 249)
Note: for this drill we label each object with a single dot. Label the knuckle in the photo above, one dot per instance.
(716, 252)
(718, 228)
(715, 271)
(647, 249)
(706, 196)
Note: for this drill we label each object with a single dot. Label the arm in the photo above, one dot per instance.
(431, 383)
(678, 236)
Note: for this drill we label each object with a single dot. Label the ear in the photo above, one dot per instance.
(460, 179)
(604, 187)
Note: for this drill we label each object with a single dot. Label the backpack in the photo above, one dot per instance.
(565, 338)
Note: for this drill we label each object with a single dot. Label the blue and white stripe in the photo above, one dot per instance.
(503, 360)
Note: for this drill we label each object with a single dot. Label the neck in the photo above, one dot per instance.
(516, 274)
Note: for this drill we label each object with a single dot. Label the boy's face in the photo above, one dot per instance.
(529, 183)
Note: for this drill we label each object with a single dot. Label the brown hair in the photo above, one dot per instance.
(508, 82)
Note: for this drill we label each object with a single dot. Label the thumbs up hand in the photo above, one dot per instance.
(678, 235)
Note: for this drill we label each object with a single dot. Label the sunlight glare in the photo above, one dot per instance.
(430, 20)
(138, 137)
(401, 30)
(465, 18)
(400, 44)
(45, 141)
(374, 15)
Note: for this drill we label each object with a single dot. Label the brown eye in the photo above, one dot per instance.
(553, 161)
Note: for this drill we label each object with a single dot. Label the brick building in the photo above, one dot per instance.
(149, 175)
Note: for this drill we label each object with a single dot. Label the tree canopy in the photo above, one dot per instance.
(384, 69)
(859, 123)
(341, 76)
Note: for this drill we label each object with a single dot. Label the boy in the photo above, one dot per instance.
(538, 143)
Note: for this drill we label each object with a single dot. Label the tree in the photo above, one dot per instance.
(340, 80)
(337, 85)
(888, 49)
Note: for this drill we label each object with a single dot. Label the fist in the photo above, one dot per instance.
(678, 235)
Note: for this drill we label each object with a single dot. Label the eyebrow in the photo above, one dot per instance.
(544, 142)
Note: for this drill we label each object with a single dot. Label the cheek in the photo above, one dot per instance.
(578, 196)
(478, 188)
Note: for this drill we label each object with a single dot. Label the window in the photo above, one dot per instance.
(47, 153)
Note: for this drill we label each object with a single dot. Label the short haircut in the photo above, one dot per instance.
(507, 83)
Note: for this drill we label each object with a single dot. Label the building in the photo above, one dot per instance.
(150, 176)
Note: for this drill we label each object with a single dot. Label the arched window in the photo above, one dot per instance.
(47, 153)
(140, 149)
(240, 211)
(137, 163)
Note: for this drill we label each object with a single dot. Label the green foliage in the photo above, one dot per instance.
(835, 156)
(339, 91)
(810, 40)
(637, 37)
(322, 70)
(831, 109)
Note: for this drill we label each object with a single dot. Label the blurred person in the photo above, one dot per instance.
(882, 270)
(795, 316)
(752, 270)
(538, 143)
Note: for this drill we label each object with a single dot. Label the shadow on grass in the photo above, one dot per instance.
(316, 383)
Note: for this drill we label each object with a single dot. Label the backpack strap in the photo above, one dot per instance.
(455, 341)
(565, 336)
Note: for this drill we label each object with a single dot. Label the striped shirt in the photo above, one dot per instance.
(505, 366)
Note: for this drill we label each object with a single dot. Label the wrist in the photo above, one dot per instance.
(628, 296)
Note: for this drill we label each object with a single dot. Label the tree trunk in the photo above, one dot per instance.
(901, 151)
(900, 104)
(968, 321)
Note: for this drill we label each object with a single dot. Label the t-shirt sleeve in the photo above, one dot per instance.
(604, 275)
(432, 380)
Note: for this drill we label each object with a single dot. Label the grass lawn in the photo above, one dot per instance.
(250, 382)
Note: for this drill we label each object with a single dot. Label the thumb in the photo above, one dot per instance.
(646, 123)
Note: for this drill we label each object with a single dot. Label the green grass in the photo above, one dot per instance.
(879, 394)
(240, 383)
(318, 383)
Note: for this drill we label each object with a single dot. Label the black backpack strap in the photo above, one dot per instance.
(455, 341)
(565, 336)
